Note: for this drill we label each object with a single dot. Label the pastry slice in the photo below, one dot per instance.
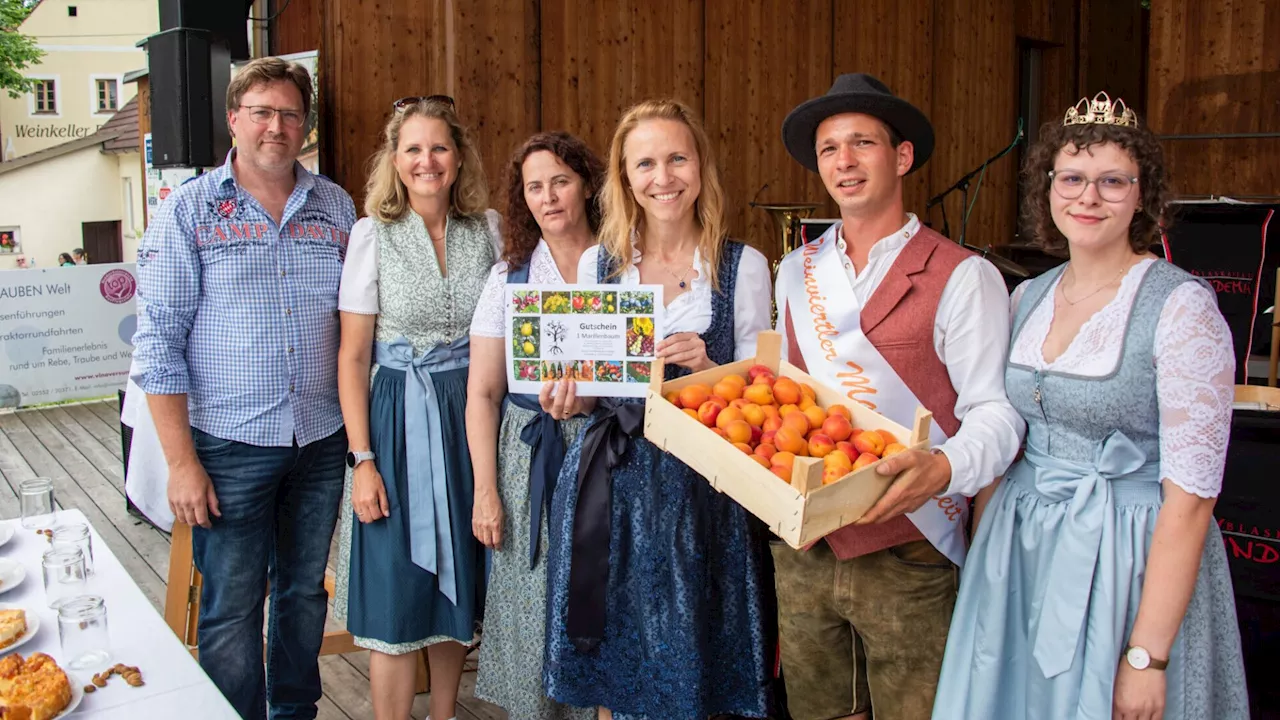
(36, 689)
(13, 625)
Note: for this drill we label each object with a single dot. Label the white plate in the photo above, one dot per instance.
(33, 626)
(11, 574)
(6, 534)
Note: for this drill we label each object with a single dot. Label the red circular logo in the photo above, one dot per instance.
(117, 286)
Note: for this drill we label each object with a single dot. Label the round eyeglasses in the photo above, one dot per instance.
(1112, 187)
(263, 115)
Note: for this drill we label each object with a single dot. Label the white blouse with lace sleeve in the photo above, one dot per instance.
(489, 319)
(1194, 366)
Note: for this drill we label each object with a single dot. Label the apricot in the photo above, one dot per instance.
(835, 466)
(783, 473)
(787, 409)
(719, 432)
(762, 462)
(771, 422)
(867, 442)
(771, 411)
(756, 434)
(786, 390)
(893, 449)
(673, 397)
(708, 412)
(796, 422)
(759, 394)
(820, 445)
(694, 395)
(767, 437)
(838, 427)
(739, 403)
(864, 460)
(765, 379)
(816, 416)
(807, 390)
(727, 389)
(756, 370)
(806, 403)
(842, 411)
(743, 447)
(888, 437)
(848, 449)
(719, 401)
(728, 415)
(784, 459)
(691, 413)
(735, 379)
(738, 431)
(766, 450)
(788, 440)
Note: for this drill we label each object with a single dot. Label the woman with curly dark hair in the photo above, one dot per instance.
(516, 448)
(1097, 584)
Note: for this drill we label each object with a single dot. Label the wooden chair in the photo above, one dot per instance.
(182, 604)
(1267, 397)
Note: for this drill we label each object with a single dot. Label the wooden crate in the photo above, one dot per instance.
(800, 512)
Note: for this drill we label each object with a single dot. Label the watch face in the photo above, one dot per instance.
(351, 459)
(1139, 658)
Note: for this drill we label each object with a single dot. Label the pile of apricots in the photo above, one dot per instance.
(775, 419)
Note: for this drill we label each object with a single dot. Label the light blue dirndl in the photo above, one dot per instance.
(1053, 581)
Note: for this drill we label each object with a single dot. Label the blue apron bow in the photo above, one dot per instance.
(430, 532)
(546, 442)
(1070, 578)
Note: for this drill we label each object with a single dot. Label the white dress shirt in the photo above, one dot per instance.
(971, 337)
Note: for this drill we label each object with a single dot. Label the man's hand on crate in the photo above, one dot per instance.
(921, 476)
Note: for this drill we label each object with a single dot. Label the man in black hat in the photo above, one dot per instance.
(898, 317)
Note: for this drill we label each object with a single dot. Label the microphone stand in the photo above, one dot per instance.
(962, 185)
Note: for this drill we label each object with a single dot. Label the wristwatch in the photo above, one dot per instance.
(1139, 659)
(355, 457)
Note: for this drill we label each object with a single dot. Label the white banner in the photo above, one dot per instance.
(66, 333)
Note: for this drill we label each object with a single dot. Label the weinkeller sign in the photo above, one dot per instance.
(66, 333)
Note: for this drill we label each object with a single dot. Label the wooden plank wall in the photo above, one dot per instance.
(522, 65)
(1215, 68)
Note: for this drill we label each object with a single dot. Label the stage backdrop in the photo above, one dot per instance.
(65, 333)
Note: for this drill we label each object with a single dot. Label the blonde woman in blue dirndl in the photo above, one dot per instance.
(1097, 584)
(412, 575)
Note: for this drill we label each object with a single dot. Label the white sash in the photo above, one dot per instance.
(827, 319)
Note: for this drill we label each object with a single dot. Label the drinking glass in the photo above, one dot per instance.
(64, 575)
(82, 628)
(75, 536)
(36, 495)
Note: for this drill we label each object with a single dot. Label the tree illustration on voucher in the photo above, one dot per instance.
(559, 333)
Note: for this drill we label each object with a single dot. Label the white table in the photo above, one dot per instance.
(175, 686)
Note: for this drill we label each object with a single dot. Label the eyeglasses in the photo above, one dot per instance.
(1112, 187)
(263, 115)
(405, 102)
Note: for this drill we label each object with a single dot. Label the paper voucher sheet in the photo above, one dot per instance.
(603, 336)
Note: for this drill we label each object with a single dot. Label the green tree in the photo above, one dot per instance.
(17, 51)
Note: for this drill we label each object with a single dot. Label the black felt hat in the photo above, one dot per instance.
(856, 93)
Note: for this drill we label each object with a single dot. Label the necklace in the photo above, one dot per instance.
(679, 278)
(1069, 301)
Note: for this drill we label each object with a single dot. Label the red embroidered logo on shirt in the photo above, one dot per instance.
(226, 208)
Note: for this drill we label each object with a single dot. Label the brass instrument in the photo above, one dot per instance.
(786, 221)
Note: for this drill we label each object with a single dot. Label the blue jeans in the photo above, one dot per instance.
(279, 506)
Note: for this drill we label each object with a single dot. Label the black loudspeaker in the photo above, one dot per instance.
(188, 76)
(226, 21)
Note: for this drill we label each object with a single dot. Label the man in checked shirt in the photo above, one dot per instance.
(236, 350)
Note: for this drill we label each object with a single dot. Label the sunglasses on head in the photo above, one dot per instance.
(405, 102)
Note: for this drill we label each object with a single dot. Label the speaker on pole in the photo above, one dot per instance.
(189, 74)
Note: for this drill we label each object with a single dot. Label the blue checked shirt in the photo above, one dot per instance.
(241, 314)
